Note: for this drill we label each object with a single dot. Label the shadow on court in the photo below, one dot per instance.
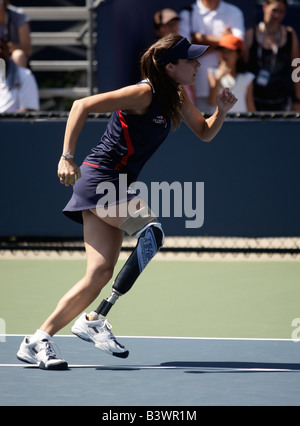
(248, 366)
(158, 372)
(207, 367)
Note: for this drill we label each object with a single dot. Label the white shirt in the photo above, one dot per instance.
(23, 95)
(239, 86)
(210, 22)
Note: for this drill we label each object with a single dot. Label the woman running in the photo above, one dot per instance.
(141, 119)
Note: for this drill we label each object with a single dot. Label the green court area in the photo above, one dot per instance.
(240, 299)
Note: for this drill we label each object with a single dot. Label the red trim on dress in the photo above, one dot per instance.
(130, 149)
(91, 164)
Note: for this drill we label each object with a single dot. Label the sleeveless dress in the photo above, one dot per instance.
(126, 145)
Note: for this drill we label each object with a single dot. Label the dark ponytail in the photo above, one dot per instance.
(168, 91)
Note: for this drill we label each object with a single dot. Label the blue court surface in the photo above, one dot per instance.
(174, 372)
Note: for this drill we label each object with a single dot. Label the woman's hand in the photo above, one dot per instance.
(226, 100)
(67, 169)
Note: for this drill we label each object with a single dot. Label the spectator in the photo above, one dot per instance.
(19, 90)
(166, 21)
(205, 22)
(14, 27)
(232, 73)
(270, 50)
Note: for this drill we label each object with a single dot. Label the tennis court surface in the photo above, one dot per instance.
(158, 372)
(229, 326)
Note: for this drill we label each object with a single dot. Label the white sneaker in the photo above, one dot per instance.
(98, 332)
(41, 353)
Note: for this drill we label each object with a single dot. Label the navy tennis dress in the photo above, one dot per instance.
(128, 142)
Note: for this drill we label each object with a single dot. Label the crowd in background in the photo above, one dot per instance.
(256, 64)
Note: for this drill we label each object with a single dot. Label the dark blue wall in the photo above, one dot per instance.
(250, 174)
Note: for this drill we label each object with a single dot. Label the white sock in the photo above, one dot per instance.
(40, 335)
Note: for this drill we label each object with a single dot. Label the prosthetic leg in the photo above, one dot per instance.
(150, 239)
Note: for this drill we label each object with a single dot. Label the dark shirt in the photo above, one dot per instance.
(275, 94)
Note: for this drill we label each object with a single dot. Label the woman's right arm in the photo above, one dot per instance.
(135, 99)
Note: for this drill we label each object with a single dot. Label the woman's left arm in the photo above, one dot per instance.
(207, 129)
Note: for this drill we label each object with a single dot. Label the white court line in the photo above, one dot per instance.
(172, 337)
(160, 367)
